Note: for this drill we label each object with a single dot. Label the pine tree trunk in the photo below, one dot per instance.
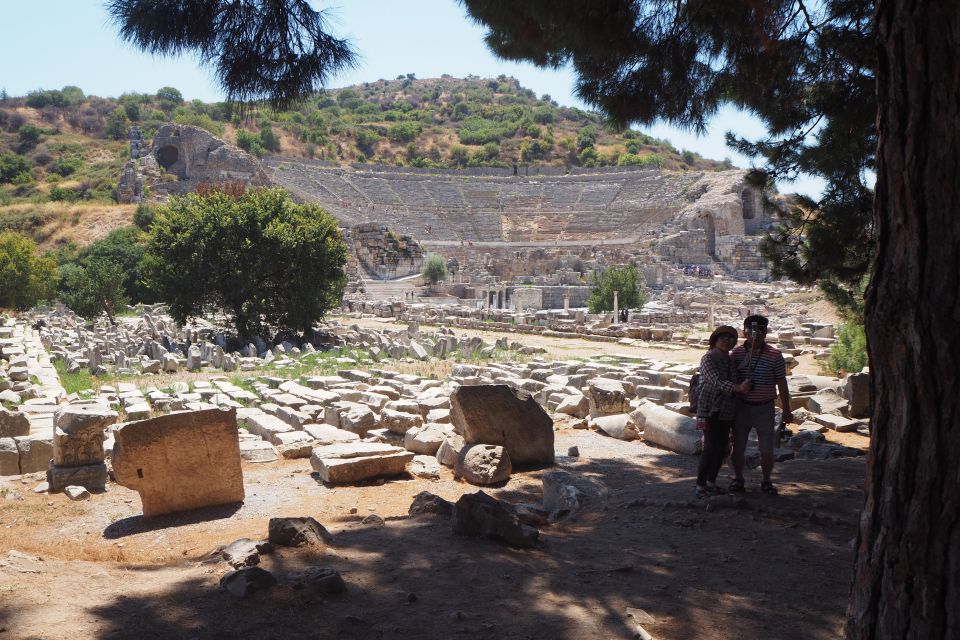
(907, 571)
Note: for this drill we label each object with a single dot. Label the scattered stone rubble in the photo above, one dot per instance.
(483, 421)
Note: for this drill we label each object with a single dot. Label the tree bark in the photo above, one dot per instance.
(907, 571)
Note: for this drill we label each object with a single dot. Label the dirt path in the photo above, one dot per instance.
(761, 566)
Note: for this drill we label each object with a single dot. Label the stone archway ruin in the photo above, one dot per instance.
(167, 156)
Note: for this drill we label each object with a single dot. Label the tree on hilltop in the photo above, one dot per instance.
(269, 263)
(844, 88)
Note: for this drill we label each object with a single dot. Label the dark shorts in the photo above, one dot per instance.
(758, 417)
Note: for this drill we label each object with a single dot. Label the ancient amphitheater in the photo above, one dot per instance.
(709, 220)
(496, 224)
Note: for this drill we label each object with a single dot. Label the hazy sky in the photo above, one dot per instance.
(52, 43)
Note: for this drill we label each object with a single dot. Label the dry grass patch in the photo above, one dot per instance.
(52, 224)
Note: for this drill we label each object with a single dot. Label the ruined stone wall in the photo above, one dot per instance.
(193, 156)
(383, 253)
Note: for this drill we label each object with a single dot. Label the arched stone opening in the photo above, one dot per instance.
(749, 204)
(710, 230)
(167, 156)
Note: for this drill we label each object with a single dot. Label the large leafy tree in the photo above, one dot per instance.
(25, 277)
(277, 51)
(271, 264)
(844, 86)
(93, 287)
(806, 71)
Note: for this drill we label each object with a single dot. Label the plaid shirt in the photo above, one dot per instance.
(718, 374)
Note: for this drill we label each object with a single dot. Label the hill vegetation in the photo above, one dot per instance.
(64, 146)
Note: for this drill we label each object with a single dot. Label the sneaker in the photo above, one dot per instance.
(736, 486)
(716, 491)
(768, 488)
(702, 492)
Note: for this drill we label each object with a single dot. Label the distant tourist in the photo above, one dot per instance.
(716, 407)
(762, 365)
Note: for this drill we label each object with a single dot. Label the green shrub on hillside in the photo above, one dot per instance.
(404, 131)
(14, 169)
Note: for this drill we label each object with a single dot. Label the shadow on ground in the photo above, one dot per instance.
(759, 566)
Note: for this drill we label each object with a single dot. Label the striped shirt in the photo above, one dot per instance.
(717, 376)
(764, 369)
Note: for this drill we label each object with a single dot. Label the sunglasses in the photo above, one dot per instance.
(729, 337)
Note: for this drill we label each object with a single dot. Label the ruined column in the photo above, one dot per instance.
(566, 302)
(78, 447)
(616, 308)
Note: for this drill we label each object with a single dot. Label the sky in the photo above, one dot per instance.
(48, 44)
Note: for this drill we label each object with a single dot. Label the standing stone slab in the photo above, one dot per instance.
(496, 414)
(181, 461)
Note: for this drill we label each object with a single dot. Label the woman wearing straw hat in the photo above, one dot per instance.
(716, 407)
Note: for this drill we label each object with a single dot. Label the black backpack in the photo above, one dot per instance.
(693, 393)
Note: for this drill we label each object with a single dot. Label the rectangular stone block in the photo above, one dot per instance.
(9, 457)
(35, 453)
(266, 426)
(348, 470)
(93, 477)
(181, 461)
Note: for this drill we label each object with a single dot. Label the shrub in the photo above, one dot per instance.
(143, 216)
(29, 134)
(72, 96)
(434, 269)
(14, 169)
(404, 131)
(271, 264)
(118, 124)
(92, 288)
(66, 166)
(169, 98)
(626, 280)
(269, 139)
(849, 352)
(249, 143)
(43, 98)
(25, 277)
(201, 120)
(367, 140)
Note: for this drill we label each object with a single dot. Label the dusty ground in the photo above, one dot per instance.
(765, 566)
(762, 566)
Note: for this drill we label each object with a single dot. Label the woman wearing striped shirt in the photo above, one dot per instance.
(716, 406)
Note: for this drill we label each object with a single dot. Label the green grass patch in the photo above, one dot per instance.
(75, 382)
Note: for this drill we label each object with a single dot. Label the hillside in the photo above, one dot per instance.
(62, 149)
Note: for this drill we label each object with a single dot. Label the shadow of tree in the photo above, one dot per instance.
(698, 569)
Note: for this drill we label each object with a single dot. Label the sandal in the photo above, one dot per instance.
(736, 486)
(702, 492)
(768, 488)
(716, 491)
